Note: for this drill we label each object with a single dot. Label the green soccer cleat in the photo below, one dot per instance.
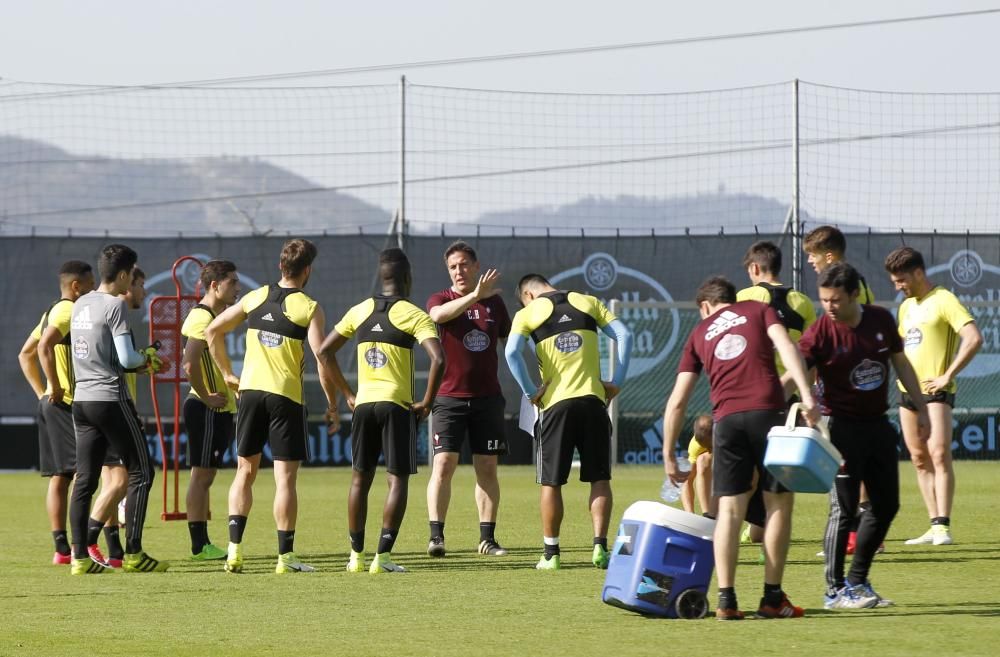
(88, 567)
(601, 557)
(289, 563)
(551, 563)
(745, 535)
(234, 558)
(143, 563)
(209, 552)
(356, 564)
(382, 563)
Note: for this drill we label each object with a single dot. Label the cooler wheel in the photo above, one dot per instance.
(691, 604)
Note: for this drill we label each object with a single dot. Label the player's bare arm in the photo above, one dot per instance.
(27, 359)
(327, 354)
(971, 341)
(327, 377)
(47, 357)
(436, 353)
(191, 364)
(673, 422)
(215, 334)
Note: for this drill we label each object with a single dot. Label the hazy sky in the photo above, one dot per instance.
(128, 42)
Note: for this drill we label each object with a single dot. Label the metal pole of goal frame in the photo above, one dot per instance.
(401, 217)
(615, 308)
(796, 219)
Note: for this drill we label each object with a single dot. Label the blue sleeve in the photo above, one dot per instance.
(515, 360)
(127, 355)
(618, 332)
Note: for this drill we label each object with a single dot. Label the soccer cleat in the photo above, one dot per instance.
(289, 563)
(926, 538)
(745, 535)
(941, 535)
(726, 614)
(821, 553)
(209, 552)
(234, 558)
(492, 549)
(88, 567)
(356, 564)
(62, 559)
(552, 563)
(762, 557)
(143, 563)
(382, 563)
(882, 602)
(94, 552)
(601, 557)
(852, 542)
(114, 562)
(784, 610)
(881, 548)
(436, 547)
(850, 597)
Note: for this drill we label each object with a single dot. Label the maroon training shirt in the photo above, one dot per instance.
(733, 347)
(470, 346)
(853, 363)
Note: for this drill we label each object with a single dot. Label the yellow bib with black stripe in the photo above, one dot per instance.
(278, 323)
(58, 316)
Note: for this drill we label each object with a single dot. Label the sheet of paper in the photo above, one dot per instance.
(529, 413)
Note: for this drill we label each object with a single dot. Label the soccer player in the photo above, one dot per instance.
(56, 442)
(385, 414)
(103, 415)
(281, 319)
(210, 407)
(699, 481)
(940, 338)
(734, 343)
(472, 319)
(851, 346)
(825, 246)
(573, 401)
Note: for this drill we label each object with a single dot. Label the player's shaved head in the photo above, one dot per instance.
(394, 270)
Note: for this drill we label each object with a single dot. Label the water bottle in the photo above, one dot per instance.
(670, 492)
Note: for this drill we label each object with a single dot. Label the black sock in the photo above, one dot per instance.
(708, 515)
(199, 535)
(941, 520)
(437, 529)
(358, 541)
(114, 541)
(61, 541)
(386, 540)
(237, 525)
(727, 598)
(286, 541)
(94, 528)
(487, 531)
(773, 595)
(80, 551)
(551, 551)
(864, 506)
(603, 542)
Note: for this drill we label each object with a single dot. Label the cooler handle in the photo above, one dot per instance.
(793, 413)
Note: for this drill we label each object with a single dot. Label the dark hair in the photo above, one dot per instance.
(296, 255)
(138, 273)
(393, 265)
(215, 271)
(904, 260)
(74, 270)
(531, 279)
(765, 255)
(114, 259)
(840, 275)
(716, 290)
(460, 246)
(703, 428)
(825, 239)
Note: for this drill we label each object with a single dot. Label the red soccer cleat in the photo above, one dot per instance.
(784, 610)
(61, 559)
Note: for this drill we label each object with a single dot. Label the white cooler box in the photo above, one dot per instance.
(802, 458)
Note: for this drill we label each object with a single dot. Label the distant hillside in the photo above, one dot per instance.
(38, 180)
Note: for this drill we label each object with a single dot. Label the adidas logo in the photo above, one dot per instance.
(387, 536)
(725, 321)
(267, 318)
(564, 318)
(377, 327)
(82, 320)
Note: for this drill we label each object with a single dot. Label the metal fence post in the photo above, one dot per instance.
(796, 221)
(401, 215)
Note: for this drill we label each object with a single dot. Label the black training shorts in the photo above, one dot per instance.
(56, 440)
(479, 418)
(384, 428)
(209, 432)
(940, 397)
(740, 440)
(578, 423)
(266, 418)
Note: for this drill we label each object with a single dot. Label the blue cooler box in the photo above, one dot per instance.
(802, 459)
(661, 562)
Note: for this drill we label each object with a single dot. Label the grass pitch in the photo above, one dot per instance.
(467, 604)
